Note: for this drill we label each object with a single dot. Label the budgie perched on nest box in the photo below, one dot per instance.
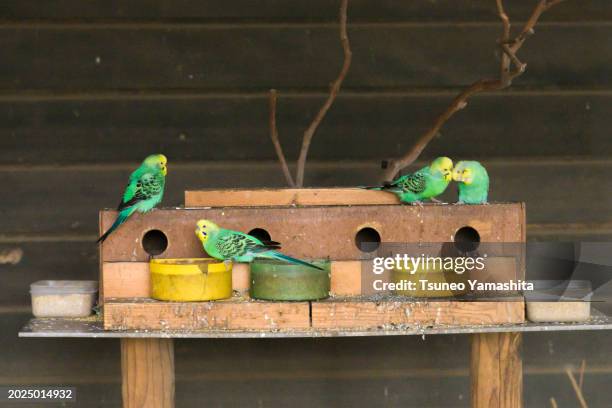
(426, 183)
(144, 191)
(473, 182)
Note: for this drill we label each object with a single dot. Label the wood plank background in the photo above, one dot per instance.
(87, 89)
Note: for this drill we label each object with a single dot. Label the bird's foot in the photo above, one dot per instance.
(227, 263)
(420, 204)
(435, 200)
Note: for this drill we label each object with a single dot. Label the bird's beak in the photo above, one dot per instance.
(447, 174)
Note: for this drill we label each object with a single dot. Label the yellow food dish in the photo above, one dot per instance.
(190, 279)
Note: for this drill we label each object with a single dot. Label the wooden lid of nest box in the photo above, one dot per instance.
(287, 197)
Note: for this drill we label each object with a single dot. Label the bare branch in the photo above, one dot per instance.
(528, 30)
(520, 67)
(553, 403)
(509, 49)
(333, 92)
(276, 142)
(581, 377)
(505, 60)
(577, 389)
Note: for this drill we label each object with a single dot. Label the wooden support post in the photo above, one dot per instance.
(497, 370)
(147, 369)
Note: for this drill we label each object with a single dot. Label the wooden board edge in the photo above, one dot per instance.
(287, 197)
(126, 280)
(347, 314)
(218, 315)
(100, 261)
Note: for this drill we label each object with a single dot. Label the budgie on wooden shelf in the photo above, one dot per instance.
(472, 182)
(228, 245)
(426, 183)
(144, 191)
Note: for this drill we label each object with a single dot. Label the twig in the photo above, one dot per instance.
(509, 49)
(543, 5)
(581, 376)
(520, 67)
(276, 142)
(333, 92)
(577, 389)
(505, 60)
(553, 403)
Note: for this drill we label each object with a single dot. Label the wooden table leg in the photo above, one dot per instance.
(147, 370)
(497, 370)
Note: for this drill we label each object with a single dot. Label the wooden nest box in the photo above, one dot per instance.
(310, 223)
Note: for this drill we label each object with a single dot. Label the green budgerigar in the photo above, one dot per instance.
(144, 191)
(426, 183)
(473, 182)
(226, 245)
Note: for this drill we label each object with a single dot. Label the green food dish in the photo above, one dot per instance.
(275, 280)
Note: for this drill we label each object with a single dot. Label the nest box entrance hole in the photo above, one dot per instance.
(466, 239)
(154, 242)
(261, 234)
(367, 239)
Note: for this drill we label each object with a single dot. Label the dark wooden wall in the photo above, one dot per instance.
(88, 88)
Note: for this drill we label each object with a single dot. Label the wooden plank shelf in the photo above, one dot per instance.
(94, 327)
(237, 313)
(240, 313)
(366, 314)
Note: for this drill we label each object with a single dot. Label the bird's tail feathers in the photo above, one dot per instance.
(266, 246)
(121, 217)
(286, 258)
(385, 187)
(271, 244)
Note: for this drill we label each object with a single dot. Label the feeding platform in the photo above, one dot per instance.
(93, 327)
(332, 224)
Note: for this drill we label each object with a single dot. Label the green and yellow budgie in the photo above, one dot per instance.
(473, 182)
(226, 245)
(144, 191)
(426, 183)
